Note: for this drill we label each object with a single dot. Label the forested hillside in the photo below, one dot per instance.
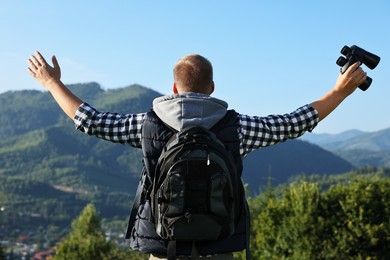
(280, 163)
(315, 217)
(49, 171)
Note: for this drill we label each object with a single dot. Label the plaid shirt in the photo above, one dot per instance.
(254, 132)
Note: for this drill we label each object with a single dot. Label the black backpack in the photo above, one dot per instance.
(197, 194)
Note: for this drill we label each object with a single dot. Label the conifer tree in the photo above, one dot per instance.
(85, 241)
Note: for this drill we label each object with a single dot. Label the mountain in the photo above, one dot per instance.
(330, 139)
(359, 148)
(279, 163)
(49, 171)
(375, 141)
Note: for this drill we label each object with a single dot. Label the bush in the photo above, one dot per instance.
(344, 222)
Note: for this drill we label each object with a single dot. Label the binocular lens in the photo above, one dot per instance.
(345, 51)
(341, 61)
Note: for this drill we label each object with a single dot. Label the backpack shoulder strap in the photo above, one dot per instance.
(230, 119)
(230, 116)
(152, 126)
(151, 114)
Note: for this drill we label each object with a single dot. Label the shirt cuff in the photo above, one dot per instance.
(81, 117)
(313, 118)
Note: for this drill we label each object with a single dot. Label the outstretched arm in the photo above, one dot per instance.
(50, 78)
(346, 84)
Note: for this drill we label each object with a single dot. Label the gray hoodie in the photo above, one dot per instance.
(187, 109)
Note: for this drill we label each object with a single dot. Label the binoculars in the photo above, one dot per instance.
(354, 54)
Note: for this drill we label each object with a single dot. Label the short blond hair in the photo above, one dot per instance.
(193, 73)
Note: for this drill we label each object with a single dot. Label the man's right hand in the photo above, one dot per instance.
(42, 71)
(50, 78)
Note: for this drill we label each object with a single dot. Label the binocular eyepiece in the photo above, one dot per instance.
(354, 54)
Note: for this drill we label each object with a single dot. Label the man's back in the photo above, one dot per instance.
(154, 136)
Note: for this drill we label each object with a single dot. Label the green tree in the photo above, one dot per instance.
(358, 223)
(349, 221)
(286, 226)
(85, 240)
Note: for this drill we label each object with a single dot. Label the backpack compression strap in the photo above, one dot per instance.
(136, 204)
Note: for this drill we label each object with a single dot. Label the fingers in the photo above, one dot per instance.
(35, 64)
(363, 77)
(55, 62)
(32, 73)
(41, 70)
(32, 63)
(356, 71)
(359, 74)
(40, 59)
(36, 61)
(354, 67)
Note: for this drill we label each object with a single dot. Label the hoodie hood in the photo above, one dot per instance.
(187, 109)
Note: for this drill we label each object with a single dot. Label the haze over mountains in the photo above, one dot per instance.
(357, 147)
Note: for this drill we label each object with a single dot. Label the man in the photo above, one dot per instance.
(191, 104)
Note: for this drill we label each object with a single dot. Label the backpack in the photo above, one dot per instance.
(197, 193)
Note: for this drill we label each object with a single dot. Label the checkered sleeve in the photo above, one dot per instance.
(257, 132)
(114, 127)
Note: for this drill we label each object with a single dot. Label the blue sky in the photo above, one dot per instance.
(268, 56)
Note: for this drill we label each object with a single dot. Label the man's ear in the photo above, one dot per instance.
(174, 88)
(212, 87)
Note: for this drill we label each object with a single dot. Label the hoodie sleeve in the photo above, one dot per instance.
(114, 127)
(257, 132)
